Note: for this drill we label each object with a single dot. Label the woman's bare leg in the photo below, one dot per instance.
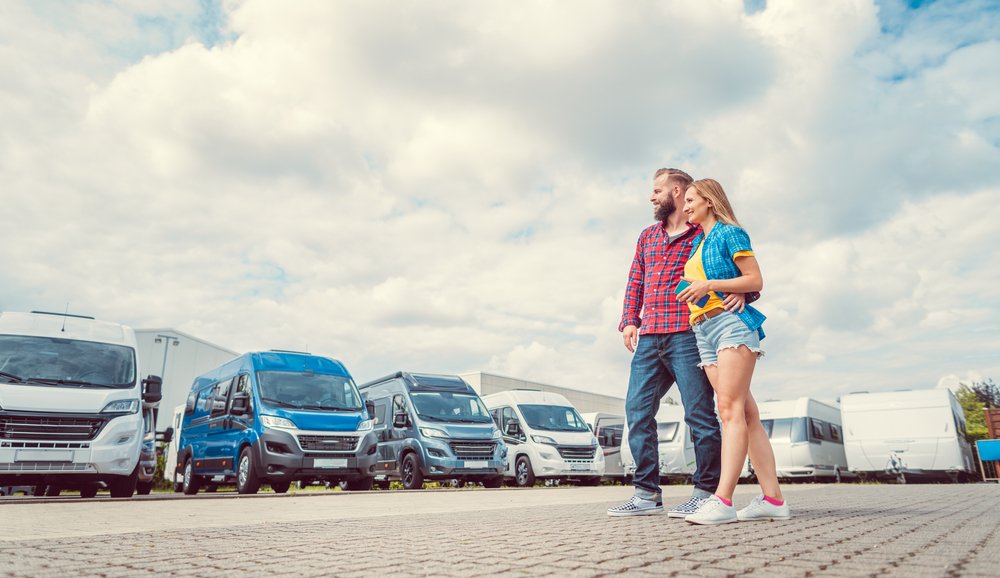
(761, 453)
(731, 381)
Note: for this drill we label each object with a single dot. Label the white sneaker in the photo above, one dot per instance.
(761, 509)
(687, 508)
(712, 511)
(636, 506)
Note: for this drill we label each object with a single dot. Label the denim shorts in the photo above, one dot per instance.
(724, 331)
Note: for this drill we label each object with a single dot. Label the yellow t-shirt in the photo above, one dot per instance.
(695, 269)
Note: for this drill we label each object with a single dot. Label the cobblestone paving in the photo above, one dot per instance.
(846, 530)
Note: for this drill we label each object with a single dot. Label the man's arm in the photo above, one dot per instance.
(630, 322)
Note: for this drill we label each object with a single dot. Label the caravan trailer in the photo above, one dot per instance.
(906, 435)
(677, 459)
(806, 437)
(609, 429)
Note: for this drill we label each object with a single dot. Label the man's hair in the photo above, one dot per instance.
(676, 175)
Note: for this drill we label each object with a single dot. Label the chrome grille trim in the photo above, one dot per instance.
(328, 443)
(473, 450)
(47, 467)
(45, 427)
(577, 452)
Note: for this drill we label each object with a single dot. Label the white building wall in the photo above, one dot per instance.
(585, 402)
(178, 358)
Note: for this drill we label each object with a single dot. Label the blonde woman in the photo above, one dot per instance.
(729, 345)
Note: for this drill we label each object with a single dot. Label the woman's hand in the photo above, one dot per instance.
(735, 302)
(693, 292)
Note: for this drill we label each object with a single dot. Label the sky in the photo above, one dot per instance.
(448, 186)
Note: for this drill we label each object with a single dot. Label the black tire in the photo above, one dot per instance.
(191, 482)
(143, 488)
(178, 488)
(382, 484)
(52, 491)
(89, 490)
(124, 486)
(247, 481)
(493, 482)
(410, 474)
(360, 484)
(524, 476)
(837, 478)
(38, 490)
(589, 481)
(281, 487)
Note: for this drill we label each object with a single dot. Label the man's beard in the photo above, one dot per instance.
(663, 212)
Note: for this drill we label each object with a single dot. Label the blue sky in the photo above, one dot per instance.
(455, 187)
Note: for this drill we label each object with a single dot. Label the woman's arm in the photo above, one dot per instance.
(749, 280)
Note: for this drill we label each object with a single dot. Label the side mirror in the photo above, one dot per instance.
(370, 407)
(152, 390)
(400, 420)
(168, 435)
(241, 403)
(513, 428)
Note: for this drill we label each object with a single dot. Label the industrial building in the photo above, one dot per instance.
(585, 402)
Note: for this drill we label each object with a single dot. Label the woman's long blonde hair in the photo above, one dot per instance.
(711, 191)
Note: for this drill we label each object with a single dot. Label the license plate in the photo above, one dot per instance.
(579, 467)
(475, 465)
(329, 463)
(43, 456)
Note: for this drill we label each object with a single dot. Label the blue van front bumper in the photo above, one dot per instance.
(446, 459)
(301, 454)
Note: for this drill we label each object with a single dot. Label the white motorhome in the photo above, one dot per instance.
(170, 466)
(906, 434)
(807, 439)
(676, 450)
(546, 438)
(608, 428)
(71, 403)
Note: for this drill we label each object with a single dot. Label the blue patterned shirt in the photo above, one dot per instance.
(722, 242)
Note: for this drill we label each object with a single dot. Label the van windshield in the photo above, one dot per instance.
(447, 406)
(553, 418)
(56, 361)
(302, 390)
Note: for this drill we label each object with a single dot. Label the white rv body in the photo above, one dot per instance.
(609, 429)
(674, 445)
(902, 434)
(170, 467)
(550, 439)
(807, 438)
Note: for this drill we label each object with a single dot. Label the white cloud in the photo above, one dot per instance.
(453, 186)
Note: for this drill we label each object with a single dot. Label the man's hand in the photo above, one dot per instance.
(735, 302)
(631, 337)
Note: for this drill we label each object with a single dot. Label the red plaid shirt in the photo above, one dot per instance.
(656, 269)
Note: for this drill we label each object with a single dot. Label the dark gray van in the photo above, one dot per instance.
(433, 427)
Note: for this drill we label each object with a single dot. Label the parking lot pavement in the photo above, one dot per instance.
(838, 530)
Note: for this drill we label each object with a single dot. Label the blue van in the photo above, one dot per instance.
(433, 427)
(276, 417)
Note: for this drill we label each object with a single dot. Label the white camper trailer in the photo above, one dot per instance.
(677, 459)
(906, 434)
(806, 437)
(608, 429)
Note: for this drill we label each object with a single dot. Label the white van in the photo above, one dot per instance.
(676, 450)
(70, 403)
(609, 428)
(807, 439)
(546, 438)
(170, 472)
(906, 434)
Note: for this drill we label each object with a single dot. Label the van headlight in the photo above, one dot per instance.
(277, 422)
(496, 434)
(430, 432)
(122, 406)
(366, 425)
(543, 440)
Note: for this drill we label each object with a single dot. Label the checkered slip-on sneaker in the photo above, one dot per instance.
(687, 508)
(636, 506)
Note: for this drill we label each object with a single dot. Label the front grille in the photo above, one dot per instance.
(473, 450)
(46, 467)
(576, 452)
(46, 445)
(328, 443)
(49, 427)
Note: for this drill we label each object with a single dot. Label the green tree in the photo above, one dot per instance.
(975, 418)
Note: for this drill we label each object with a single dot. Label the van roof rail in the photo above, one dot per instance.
(290, 351)
(854, 392)
(381, 379)
(526, 389)
(62, 314)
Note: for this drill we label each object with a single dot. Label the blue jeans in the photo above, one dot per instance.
(659, 360)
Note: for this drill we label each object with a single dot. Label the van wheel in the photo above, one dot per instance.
(360, 484)
(38, 490)
(124, 486)
(524, 476)
(247, 481)
(382, 484)
(281, 487)
(89, 491)
(493, 482)
(52, 491)
(191, 482)
(590, 481)
(410, 473)
(143, 488)
(836, 476)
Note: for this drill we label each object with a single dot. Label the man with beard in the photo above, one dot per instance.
(667, 352)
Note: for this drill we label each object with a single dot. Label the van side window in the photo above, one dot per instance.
(398, 404)
(495, 414)
(205, 399)
(381, 405)
(192, 401)
(815, 430)
(222, 389)
(835, 434)
(243, 384)
(611, 435)
(507, 415)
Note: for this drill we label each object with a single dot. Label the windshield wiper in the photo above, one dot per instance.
(278, 402)
(330, 407)
(467, 420)
(68, 382)
(432, 417)
(12, 377)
